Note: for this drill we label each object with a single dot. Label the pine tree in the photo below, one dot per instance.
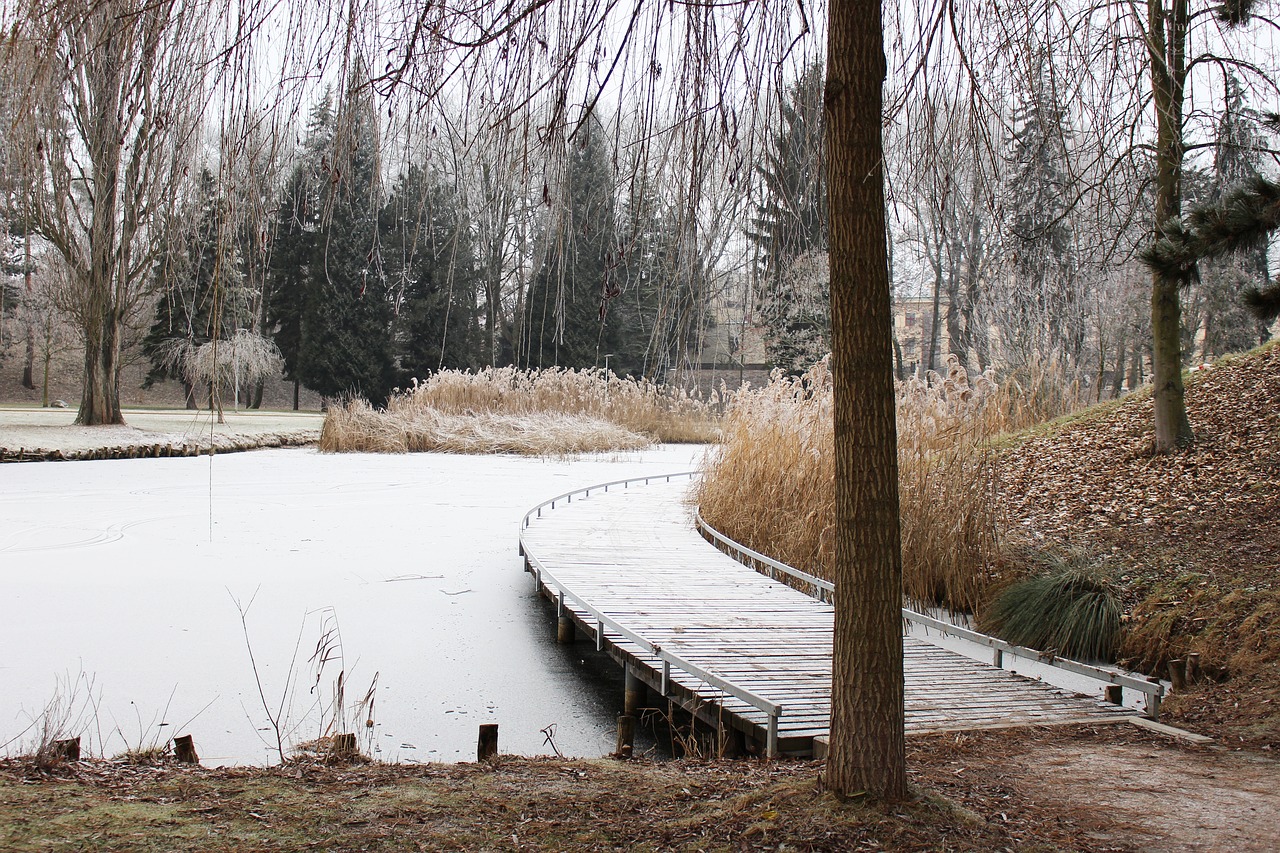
(1242, 220)
(328, 308)
(1228, 324)
(293, 248)
(431, 275)
(1043, 315)
(790, 223)
(568, 321)
(345, 344)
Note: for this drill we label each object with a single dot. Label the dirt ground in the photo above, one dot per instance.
(1107, 788)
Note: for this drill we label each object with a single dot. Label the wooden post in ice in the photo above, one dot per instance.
(487, 747)
(184, 749)
(1114, 694)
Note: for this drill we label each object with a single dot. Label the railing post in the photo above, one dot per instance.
(599, 636)
(1153, 700)
(666, 677)
(771, 744)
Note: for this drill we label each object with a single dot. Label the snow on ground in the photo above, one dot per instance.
(33, 429)
(128, 571)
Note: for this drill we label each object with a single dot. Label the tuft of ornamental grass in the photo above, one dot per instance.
(505, 410)
(1072, 610)
(771, 483)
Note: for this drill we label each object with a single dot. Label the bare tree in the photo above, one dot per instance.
(104, 133)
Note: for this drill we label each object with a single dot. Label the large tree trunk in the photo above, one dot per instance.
(28, 366)
(1167, 34)
(867, 744)
(100, 396)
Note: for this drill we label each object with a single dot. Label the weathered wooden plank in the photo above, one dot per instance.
(633, 554)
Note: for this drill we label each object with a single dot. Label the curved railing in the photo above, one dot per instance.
(823, 590)
(564, 594)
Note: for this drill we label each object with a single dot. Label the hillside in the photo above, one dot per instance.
(1193, 537)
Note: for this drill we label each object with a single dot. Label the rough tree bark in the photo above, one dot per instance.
(28, 365)
(1166, 45)
(867, 744)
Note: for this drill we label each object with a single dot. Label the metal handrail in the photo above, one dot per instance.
(544, 577)
(1151, 688)
(586, 491)
(824, 587)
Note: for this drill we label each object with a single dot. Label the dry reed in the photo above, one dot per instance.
(771, 484)
(540, 412)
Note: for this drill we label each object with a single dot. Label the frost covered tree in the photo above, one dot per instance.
(200, 280)
(790, 224)
(1040, 311)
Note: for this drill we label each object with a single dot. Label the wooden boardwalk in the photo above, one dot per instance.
(630, 562)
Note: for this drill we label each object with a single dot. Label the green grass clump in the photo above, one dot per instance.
(1071, 611)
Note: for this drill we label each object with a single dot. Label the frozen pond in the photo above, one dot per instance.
(127, 573)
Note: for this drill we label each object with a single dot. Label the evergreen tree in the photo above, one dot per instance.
(1243, 220)
(1227, 324)
(297, 226)
(568, 320)
(328, 307)
(432, 278)
(790, 224)
(345, 345)
(1042, 311)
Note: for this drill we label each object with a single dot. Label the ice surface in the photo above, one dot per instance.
(128, 571)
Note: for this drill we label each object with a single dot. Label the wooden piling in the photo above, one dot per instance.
(68, 749)
(633, 692)
(1178, 673)
(487, 748)
(626, 735)
(565, 633)
(1193, 668)
(184, 749)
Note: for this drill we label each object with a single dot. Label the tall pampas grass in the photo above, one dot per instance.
(505, 410)
(771, 484)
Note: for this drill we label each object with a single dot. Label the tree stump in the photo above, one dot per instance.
(487, 748)
(184, 749)
(343, 745)
(67, 749)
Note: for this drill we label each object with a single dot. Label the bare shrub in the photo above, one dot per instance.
(505, 410)
(771, 485)
(68, 715)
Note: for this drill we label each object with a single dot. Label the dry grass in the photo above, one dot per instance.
(504, 410)
(772, 485)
